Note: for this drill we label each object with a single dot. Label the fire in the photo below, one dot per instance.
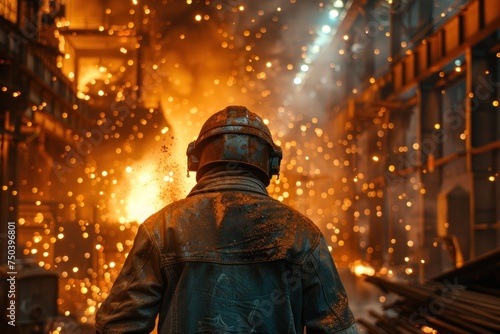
(143, 198)
(151, 183)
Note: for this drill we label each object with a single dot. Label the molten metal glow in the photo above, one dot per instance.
(150, 184)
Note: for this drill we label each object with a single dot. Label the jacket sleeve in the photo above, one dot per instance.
(134, 300)
(325, 304)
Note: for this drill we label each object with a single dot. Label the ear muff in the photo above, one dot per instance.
(193, 161)
(275, 161)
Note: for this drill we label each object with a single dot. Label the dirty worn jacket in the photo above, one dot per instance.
(227, 259)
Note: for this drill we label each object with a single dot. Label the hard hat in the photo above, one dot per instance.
(235, 136)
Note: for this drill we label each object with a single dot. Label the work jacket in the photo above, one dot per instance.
(227, 259)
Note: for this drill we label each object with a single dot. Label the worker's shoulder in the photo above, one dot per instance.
(248, 205)
(289, 212)
(167, 210)
(294, 224)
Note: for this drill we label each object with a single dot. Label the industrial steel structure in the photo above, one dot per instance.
(416, 100)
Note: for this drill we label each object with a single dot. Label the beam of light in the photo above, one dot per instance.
(334, 14)
(324, 36)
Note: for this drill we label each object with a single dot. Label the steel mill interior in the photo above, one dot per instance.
(387, 112)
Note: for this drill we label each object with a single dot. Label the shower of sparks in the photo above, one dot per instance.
(194, 58)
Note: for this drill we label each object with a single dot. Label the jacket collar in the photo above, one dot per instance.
(239, 180)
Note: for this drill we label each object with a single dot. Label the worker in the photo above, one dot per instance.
(228, 258)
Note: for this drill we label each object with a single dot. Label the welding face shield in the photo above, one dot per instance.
(237, 138)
